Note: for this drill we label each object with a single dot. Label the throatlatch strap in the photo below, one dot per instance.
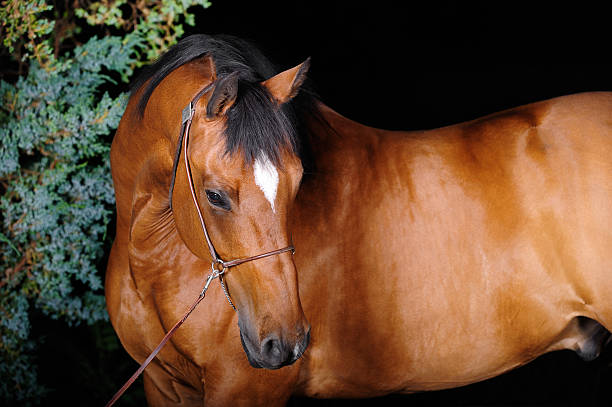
(177, 155)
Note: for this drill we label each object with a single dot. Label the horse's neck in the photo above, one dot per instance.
(148, 142)
(340, 145)
(335, 131)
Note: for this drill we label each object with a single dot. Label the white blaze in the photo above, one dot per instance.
(266, 178)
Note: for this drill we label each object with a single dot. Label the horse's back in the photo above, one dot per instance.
(455, 254)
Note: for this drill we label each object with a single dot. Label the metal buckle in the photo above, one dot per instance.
(187, 113)
(214, 273)
(214, 267)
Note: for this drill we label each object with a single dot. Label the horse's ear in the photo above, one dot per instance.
(222, 96)
(284, 86)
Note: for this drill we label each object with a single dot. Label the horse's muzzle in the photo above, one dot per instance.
(273, 352)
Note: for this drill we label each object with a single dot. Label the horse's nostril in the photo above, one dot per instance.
(273, 351)
(271, 348)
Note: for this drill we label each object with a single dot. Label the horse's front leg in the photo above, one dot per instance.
(163, 389)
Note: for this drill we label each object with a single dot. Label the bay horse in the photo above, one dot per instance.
(424, 260)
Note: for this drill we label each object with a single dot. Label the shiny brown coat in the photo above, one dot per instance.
(425, 260)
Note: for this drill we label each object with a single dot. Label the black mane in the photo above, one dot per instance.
(254, 123)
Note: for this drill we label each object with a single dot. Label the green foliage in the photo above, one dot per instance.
(56, 196)
(22, 24)
(57, 200)
(154, 20)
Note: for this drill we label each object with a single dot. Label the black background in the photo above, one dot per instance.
(403, 65)
(413, 65)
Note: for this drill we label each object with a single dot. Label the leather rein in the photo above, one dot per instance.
(218, 266)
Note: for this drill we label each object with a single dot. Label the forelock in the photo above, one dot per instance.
(256, 125)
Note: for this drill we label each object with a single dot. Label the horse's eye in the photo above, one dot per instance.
(217, 199)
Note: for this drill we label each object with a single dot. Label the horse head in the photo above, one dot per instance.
(242, 174)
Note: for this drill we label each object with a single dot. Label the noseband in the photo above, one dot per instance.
(218, 266)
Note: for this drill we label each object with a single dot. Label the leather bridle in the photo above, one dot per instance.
(218, 266)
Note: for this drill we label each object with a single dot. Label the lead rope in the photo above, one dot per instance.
(165, 339)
